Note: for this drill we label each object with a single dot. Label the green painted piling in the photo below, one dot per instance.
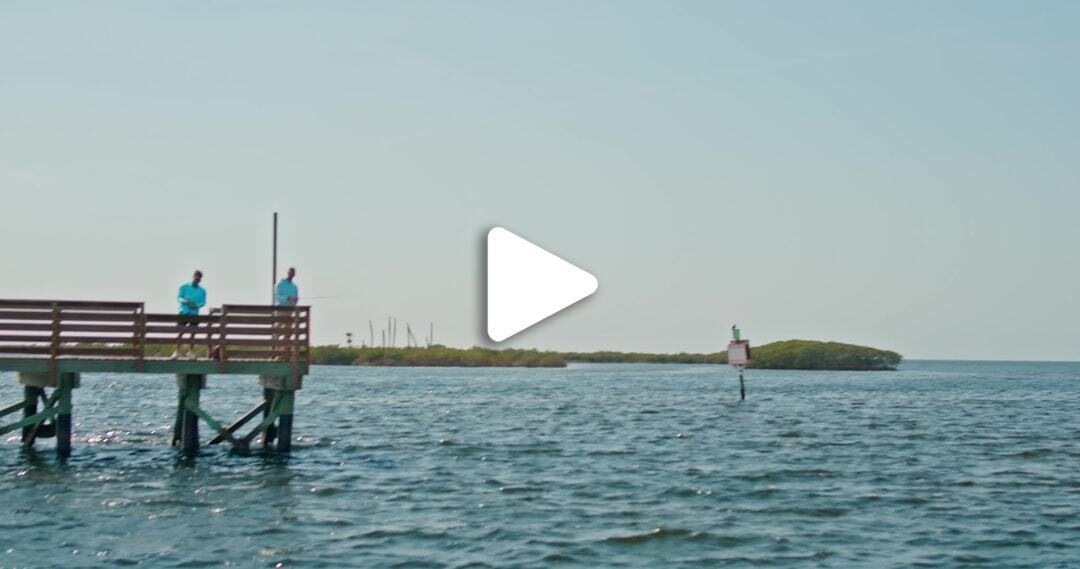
(30, 399)
(285, 421)
(271, 430)
(190, 387)
(66, 383)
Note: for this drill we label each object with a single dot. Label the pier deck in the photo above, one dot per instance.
(50, 343)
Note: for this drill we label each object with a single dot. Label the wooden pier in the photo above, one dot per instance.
(50, 343)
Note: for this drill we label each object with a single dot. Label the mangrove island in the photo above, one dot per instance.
(788, 354)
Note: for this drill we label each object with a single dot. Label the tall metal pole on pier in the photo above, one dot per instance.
(273, 273)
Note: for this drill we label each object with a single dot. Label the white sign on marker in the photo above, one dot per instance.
(526, 284)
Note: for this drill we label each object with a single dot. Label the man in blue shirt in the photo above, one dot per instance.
(286, 293)
(192, 297)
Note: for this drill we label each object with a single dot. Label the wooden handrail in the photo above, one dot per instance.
(75, 304)
(124, 330)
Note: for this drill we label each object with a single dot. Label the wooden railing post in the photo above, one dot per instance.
(210, 324)
(223, 348)
(294, 359)
(140, 337)
(54, 344)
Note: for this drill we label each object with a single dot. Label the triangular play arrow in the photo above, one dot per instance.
(526, 284)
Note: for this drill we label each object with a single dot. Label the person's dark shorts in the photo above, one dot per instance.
(188, 321)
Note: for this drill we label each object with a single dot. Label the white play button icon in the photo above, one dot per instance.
(526, 284)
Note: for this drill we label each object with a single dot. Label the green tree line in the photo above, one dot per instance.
(788, 354)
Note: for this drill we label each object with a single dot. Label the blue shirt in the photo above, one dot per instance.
(196, 295)
(284, 289)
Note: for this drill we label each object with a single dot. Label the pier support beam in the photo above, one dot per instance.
(283, 389)
(271, 431)
(187, 421)
(63, 417)
(284, 434)
(57, 407)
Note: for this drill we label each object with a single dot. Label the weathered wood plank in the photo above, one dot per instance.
(171, 339)
(96, 339)
(261, 308)
(114, 352)
(200, 328)
(24, 326)
(82, 304)
(15, 407)
(27, 338)
(25, 349)
(257, 354)
(26, 315)
(96, 317)
(106, 328)
(258, 319)
(38, 417)
(174, 318)
(235, 426)
(263, 342)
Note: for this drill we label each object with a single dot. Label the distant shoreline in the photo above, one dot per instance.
(788, 354)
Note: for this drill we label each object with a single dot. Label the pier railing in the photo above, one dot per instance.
(56, 329)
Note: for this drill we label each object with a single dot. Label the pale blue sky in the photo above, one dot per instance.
(898, 174)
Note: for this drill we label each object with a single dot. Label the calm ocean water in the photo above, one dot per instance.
(938, 464)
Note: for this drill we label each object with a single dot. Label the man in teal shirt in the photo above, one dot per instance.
(286, 293)
(192, 297)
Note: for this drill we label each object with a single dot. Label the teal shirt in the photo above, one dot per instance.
(284, 289)
(196, 295)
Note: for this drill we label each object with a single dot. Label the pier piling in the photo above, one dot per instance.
(30, 399)
(53, 417)
(190, 387)
(282, 397)
(284, 441)
(271, 430)
(63, 418)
